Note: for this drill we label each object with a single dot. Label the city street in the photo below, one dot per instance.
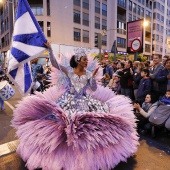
(153, 153)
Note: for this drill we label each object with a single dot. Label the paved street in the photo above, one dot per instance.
(153, 154)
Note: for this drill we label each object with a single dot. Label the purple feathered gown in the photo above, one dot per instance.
(82, 127)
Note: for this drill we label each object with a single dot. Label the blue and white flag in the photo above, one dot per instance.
(27, 43)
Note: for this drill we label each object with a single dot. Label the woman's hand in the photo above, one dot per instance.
(137, 106)
(95, 71)
(48, 44)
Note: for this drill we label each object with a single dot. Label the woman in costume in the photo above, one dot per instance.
(77, 126)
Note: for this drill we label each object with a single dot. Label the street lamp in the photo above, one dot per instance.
(104, 33)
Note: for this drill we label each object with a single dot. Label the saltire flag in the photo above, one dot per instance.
(27, 43)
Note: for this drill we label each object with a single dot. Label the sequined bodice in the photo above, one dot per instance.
(79, 82)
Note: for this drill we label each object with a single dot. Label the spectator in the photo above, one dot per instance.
(126, 80)
(162, 113)
(105, 79)
(143, 113)
(120, 67)
(164, 59)
(1, 101)
(144, 86)
(107, 69)
(135, 66)
(163, 78)
(136, 78)
(153, 73)
(110, 84)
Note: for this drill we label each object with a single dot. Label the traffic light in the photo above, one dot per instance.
(98, 40)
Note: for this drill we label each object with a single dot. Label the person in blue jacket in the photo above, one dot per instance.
(144, 86)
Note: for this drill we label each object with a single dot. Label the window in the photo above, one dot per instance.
(97, 7)
(104, 24)
(77, 2)
(134, 8)
(121, 42)
(142, 11)
(158, 16)
(147, 48)
(138, 10)
(48, 29)
(104, 9)
(157, 27)
(157, 37)
(130, 5)
(41, 23)
(85, 19)
(77, 34)
(130, 17)
(97, 22)
(86, 4)
(48, 7)
(85, 36)
(77, 16)
(104, 40)
(134, 17)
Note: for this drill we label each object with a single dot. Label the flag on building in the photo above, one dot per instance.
(27, 43)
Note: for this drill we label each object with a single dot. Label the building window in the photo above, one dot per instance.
(147, 48)
(97, 7)
(86, 4)
(85, 19)
(85, 36)
(41, 23)
(77, 16)
(48, 7)
(134, 8)
(121, 42)
(142, 12)
(130, 5)
(157, 37)
(36, 7)
(97, 22)
(77, 2)
(77, 34)
(104, 9)
(138, 10)
(104, 24)
(104, 40)
(48, 29)
(130, 17)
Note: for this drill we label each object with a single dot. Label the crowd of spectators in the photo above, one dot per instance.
(147, 84)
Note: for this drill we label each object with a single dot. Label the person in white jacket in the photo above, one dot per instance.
(143, 112)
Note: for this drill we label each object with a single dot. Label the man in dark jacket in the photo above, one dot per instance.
(163, 78)
(108, 69)
(144, 86)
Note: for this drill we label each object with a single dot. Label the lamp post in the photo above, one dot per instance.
(104, 33)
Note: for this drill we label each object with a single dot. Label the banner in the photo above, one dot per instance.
(134, 31)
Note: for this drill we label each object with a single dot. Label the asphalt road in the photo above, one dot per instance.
(152, 154)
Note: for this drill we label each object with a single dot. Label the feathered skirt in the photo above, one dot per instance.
(91, 141)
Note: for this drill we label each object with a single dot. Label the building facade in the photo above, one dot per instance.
(76, 22)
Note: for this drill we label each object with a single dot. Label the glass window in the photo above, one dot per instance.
(104, 40)
(104, 24)
(86, 4)
(85, 19)
(97, 7)
(85, 36)
(48, 7)
(134, 8)
(130, 17)
(130, 5)
(41, 23)
(97, 22)
(121, 42)
(48, 29)
(77, 34)
(77, 16)
(104, 9)
(77, 2)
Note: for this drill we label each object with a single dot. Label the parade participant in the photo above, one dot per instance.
(76, 126)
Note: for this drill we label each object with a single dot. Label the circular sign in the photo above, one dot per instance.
(136, 45)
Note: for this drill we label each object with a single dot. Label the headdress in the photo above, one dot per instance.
(79, 52)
